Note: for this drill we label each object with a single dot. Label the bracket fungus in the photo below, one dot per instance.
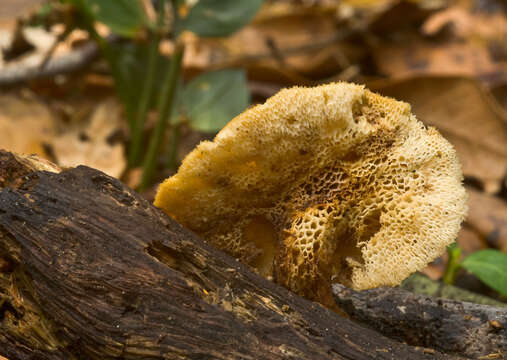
(319, 185)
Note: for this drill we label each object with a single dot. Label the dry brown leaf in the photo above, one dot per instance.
(382, 16)
(487, 215)
(466, 115)
(403, 16)
(466, 23)
(459, 40)
(25, 125)
(422, 57)
(89, 143)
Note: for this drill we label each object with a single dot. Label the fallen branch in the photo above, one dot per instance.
(450, 326)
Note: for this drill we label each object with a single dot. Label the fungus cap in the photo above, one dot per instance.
(326, 184)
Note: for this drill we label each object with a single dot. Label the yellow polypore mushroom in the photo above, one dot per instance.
(319, 185)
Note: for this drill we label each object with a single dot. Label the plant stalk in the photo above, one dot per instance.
(453, 264)
(136, 130)
(164, 107)
(136, 144)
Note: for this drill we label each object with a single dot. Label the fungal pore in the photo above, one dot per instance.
(319, 185)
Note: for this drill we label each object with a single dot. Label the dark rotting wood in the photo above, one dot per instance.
(450, 326)
(90, 270)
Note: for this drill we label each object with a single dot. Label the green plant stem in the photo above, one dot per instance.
(453, 264)
(136, 139)
(164, 107)
(174, 138)
(136, 143)
(176, 14)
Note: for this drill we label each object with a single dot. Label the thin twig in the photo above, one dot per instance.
(74, 61)
(49, 54)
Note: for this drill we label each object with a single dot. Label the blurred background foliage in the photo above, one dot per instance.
(131, 86)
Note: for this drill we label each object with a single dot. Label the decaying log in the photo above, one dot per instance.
(450, 326)
(90, 270)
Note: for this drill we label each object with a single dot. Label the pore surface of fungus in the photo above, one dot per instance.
(320, 185)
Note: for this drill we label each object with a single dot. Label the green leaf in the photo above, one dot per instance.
(123, 17)
(490, 266)
(214, 18)
(212, 99)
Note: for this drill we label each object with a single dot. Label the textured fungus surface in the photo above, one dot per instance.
(320, 185)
